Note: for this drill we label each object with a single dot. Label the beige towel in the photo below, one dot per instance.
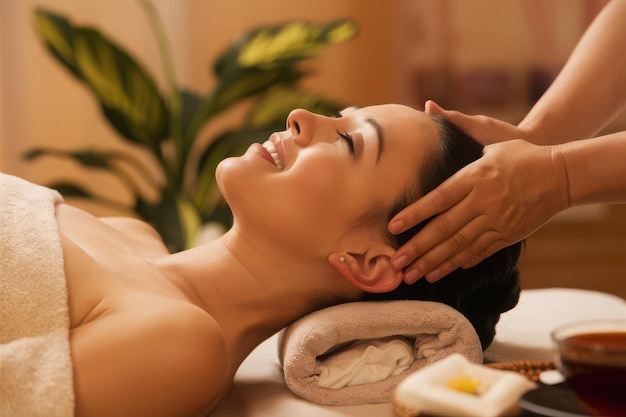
(434, 330)
(35, 364)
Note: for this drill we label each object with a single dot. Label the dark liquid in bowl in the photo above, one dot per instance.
(597, 376)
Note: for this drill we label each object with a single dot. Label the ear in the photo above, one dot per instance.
(370, 271)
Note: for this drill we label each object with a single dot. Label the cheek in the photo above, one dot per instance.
(305, 206)
(316, 184)
(319, 180)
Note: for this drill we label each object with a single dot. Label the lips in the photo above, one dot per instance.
(271, 149)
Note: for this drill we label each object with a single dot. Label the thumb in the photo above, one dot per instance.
(432, 107)
(461, 120)
(484, 129)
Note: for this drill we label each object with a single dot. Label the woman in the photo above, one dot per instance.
(153, 333)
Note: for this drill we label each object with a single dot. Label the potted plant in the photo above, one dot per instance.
(260, 67)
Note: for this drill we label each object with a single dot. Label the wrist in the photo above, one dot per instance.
(561, 177)
(532, 132)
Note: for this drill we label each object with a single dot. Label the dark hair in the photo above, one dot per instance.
(480, 293)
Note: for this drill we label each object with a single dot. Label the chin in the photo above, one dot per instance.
(235, 180)
(219, 173)
(226, 175)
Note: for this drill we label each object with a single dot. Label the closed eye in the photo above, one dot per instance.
(349, 141)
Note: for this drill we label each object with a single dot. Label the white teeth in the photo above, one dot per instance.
(272, 150)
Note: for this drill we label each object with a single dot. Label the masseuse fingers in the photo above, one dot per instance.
(474, 253)
(478, 126)
(442, 237)
(431, 204)
(484, 129)
(450, 254)
(489, 243)
(447, 195)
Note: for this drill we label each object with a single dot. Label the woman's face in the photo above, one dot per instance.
(305, 186)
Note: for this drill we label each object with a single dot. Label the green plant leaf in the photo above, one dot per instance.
(231, 89)
(67, 189)
(175, 218)
(92, 159)
(276, 103)
(37, 153)
(70, 190)
(58, 37)
(240, 84)
(127, 95)
(191, 103)
(88, 158)
(283, 44)
(189, 219)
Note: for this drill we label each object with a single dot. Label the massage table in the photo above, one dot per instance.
(259, 389)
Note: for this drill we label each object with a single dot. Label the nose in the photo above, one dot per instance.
(301, 124)
(307, 127)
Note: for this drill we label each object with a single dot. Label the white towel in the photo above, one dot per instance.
(434, 330)
(365, 362)
(35, 365)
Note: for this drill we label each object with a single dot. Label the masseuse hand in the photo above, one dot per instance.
(484, 129)
(500, 199)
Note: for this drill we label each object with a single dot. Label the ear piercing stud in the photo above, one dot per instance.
(342, 259)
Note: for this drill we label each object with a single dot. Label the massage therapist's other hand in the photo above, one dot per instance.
(484, 129)
(510, 192)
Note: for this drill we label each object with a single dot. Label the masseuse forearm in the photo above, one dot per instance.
(591, 89)
(596, 169)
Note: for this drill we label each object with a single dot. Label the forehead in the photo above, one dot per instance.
(410, 137)
(397, 119)
(406, 130)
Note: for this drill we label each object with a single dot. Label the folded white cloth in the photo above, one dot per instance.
(307, 348)
(365, 362)
(35, 365)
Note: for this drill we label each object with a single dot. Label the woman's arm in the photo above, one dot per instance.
(596, 169)
(588, 93)
(590, 90)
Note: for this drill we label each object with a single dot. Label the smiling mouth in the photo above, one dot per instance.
(269, 146)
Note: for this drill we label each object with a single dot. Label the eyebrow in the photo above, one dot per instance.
(379, 136)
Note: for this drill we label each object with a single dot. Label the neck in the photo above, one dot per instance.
(252, 294)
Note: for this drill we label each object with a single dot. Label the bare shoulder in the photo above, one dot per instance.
(168, 360)
(82, 226)
(139, 233)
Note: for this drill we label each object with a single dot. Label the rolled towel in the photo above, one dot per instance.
(352, 354)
